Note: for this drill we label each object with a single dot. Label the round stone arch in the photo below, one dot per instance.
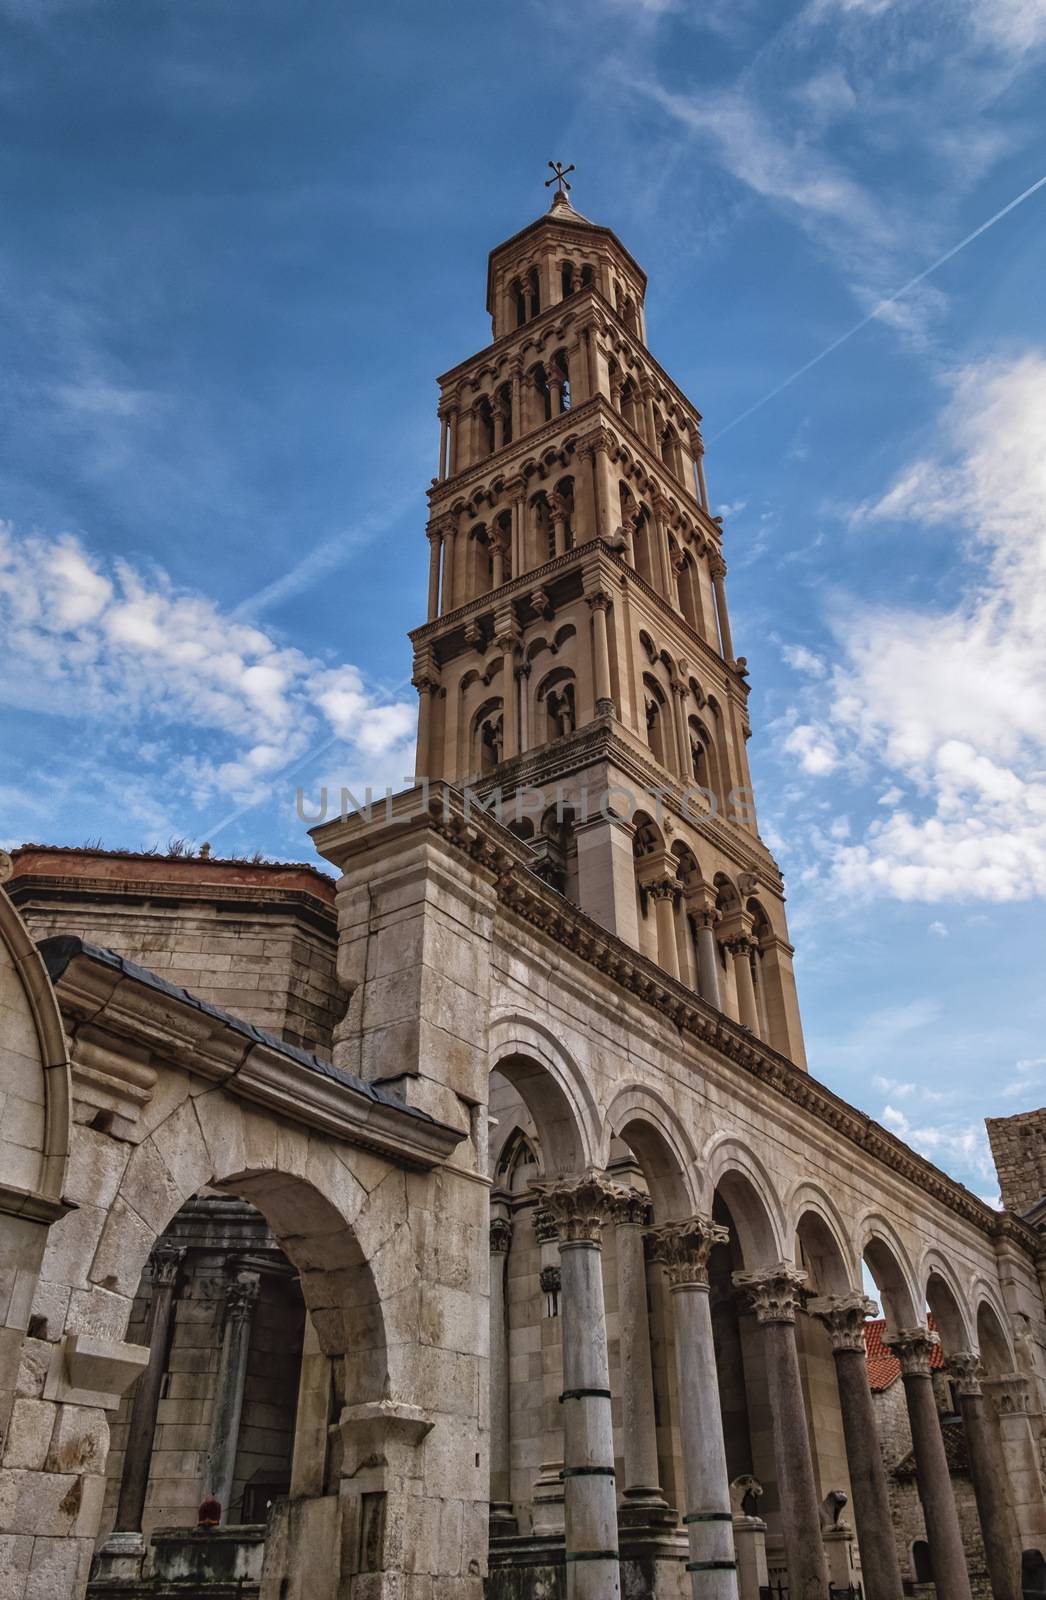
(890, 1266)
(825, 1237)
(553, 1089)
(728, 1167)
(645, 1120)
(338, 1214)
(944, 1295)
(994, 1343)
(35, 1061)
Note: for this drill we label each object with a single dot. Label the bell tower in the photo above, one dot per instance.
(576, 670)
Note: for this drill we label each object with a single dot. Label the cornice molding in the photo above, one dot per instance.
(503, 859)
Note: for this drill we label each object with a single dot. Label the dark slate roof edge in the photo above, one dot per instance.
(61, 950)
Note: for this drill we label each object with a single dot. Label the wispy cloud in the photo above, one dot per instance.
(952, 703)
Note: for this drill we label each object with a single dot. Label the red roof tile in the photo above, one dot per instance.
(883, 1366)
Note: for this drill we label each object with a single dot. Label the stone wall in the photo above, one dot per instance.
(254, 939)
(1019, 1150)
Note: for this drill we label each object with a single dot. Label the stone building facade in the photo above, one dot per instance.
(521, 1100)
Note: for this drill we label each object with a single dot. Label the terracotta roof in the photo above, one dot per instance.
(883, 1366)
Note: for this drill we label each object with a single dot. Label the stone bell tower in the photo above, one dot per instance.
(577, 666)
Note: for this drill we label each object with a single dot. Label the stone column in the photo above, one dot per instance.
(241, 1297)
(427, 688)
(913, 1348)
(559, 523)
(775, 1295)
(517, 401)
(748, 1012)
(697, 450)
(506, 637)
(555, 391)
(607, 513)
(599, 604)
(454, 419)
(663, 892)
(991, 1483)
(683, 765)
(162, 1272)
(643, 1502)
(580, 1206)
(501, 1519)
(451, 540)
(500, 416)
(435, 550)
(684, 1248)
(547, 1494)
(444, 424)
(844, 1317)
(708, 957)
(717, 567)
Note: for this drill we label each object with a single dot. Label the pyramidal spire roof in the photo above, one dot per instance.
(562, 211)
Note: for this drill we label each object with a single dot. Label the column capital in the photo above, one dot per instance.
(163, 1266)
(241, 1295)
(844, 1315)
(631, 1208)
(662, 888)
(716, 565)
(965, 1370)
(914, 1349)
(500, 1235)
(598, 601)
(683, 1248)
(546, 1229)
(775, 1294)
(579, 1205)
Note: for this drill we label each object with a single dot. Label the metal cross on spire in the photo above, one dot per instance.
(559, 177)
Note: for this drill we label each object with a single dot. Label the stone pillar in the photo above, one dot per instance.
(844, 1317)
(580, 1206)
(517, 401)
(501, 1519)
(717, 567)
(708, 957)
(683, 765)
(913, 1348)
(444, 423)
(775, 1295)
(559, 524)
(684, 1248)
(451, 540)
(748, 1012)
(241, 1297)
(435, 550)
(991, 1483)
(454, 419)
(607, 513)
(599, 604)
(663, 892)
(606, 870)
(697, 450)
(162, 1272)
(643, 1502)
(555, 391)
(506, 637)
(547, 1494)
(500, 416)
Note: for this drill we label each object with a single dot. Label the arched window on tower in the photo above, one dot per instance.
(556, 694)
(656, 706)
(588, 276)
(703, 760)
(487, 737)
(630, 404)
(559, 374)
(642, 539)
(543, 532)
(629, 315)
(503, 402)
(542, 411)
(534, 291)
(567, 284)
(520, 295)
(563, 506)
(485, 426)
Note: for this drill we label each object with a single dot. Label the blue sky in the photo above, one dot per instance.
(242, 238)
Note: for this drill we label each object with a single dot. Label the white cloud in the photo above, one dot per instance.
(938, 929)
(801, 659)
(131, 653)
(814, 748)
(953, 702)
(963, 1144)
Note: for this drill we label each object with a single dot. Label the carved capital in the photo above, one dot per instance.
(631, 1207)
(580, 1206)
(844, 1315)
(662, 888)
(914, 1349)
(599, 601)
(500, 1235)
(241, 1296)
(163, 1266)
(546, 1229)
(683, 1249)
(965, 1370)
(777, 1294)
(716, 565)
(550, 1280)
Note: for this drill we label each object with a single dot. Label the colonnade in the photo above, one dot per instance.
(575, 1212)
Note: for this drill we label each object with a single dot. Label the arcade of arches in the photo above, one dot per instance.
(470, 1225)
